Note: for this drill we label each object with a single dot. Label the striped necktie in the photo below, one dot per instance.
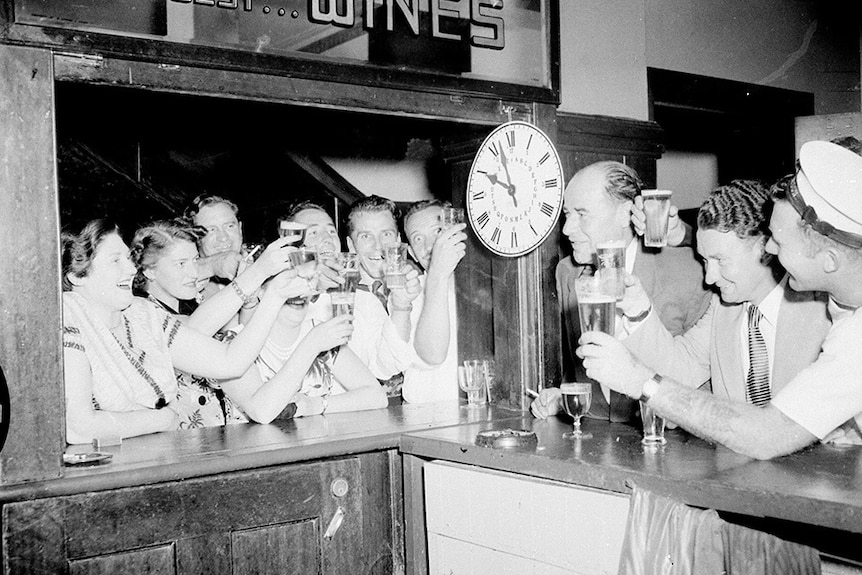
(757, 383)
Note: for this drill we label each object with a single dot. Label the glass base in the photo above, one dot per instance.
(653, 441)
(577, 435)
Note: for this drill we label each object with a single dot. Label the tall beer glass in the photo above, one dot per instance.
(597, 302)
(611, 256)
(656, 211)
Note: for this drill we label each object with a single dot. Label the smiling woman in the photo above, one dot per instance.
(121, 351)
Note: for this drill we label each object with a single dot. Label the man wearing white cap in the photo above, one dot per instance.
(816, 230)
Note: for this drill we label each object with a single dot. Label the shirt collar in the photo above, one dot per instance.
(772, 302)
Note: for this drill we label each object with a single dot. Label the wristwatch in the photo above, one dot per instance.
(650, 387)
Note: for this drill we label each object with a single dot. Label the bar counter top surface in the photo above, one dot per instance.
(185, 454)
(820, 486)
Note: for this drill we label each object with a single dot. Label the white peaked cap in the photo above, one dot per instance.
(830, 181)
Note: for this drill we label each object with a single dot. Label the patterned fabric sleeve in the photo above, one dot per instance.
(72, 339)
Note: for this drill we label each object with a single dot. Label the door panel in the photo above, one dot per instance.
(155, 561)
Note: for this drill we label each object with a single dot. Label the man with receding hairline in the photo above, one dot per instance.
(597, 208)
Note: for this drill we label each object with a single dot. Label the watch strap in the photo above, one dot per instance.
(650, 387)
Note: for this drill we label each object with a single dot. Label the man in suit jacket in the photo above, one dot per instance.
(597, 208)
(816, 232)
(731, 236)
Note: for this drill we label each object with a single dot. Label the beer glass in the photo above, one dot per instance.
(343, 295)
(471, 378)
(611, 260)
(576, 398)
(653, 426)
(394, 260)
(304, 260)
(597, 303)
(292, 230)
(656, 211)
(451, 216)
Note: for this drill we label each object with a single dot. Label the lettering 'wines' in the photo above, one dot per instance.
(598, 313)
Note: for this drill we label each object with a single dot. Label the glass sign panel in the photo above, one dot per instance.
(497, 40)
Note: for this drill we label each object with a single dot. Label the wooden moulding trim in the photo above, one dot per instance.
(581, 132)
(277, 89)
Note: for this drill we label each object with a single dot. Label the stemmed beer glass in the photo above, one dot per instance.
(576, 398)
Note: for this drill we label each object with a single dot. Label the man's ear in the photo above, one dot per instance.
(350, 246)
(623, 215)
(829, 259)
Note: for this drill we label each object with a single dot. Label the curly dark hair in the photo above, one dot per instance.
(79, 249)
(742, 207)
(152, 240)
(371, 204)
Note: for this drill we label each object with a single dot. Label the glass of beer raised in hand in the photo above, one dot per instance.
(657, 212)
(597, 302)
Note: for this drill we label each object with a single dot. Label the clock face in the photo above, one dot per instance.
(515, 190)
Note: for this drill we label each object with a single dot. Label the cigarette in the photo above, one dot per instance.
(250, 256)
(531, 393)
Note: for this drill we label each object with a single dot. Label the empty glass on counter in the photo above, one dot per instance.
(653, 426)
(476, 378)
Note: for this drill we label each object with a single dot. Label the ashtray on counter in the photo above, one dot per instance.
(507, 439)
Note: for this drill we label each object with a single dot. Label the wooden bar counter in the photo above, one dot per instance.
(814, 496)
(326, 492)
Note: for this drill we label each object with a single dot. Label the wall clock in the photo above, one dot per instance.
(515, 189)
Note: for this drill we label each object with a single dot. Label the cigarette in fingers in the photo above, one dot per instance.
(531, 393)
(251, 254)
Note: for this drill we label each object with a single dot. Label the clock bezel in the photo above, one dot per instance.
(474, 172)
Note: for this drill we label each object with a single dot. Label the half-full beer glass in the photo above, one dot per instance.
(656, 211)
(597, 302)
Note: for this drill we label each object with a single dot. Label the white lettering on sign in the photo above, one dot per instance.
(486, 25)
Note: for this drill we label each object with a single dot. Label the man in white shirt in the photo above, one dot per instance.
(375, 339)
(816, 231)
(434, 377)
(372, 225)
(756, 313)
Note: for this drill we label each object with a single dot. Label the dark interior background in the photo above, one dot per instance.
(137, 155)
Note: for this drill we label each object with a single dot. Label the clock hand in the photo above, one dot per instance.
(511, 186)
(494, 180)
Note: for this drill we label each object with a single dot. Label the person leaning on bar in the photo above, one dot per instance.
(758, 334)
(816, 228)
(597, 207)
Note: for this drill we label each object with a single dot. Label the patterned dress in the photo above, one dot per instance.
(200, 401)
